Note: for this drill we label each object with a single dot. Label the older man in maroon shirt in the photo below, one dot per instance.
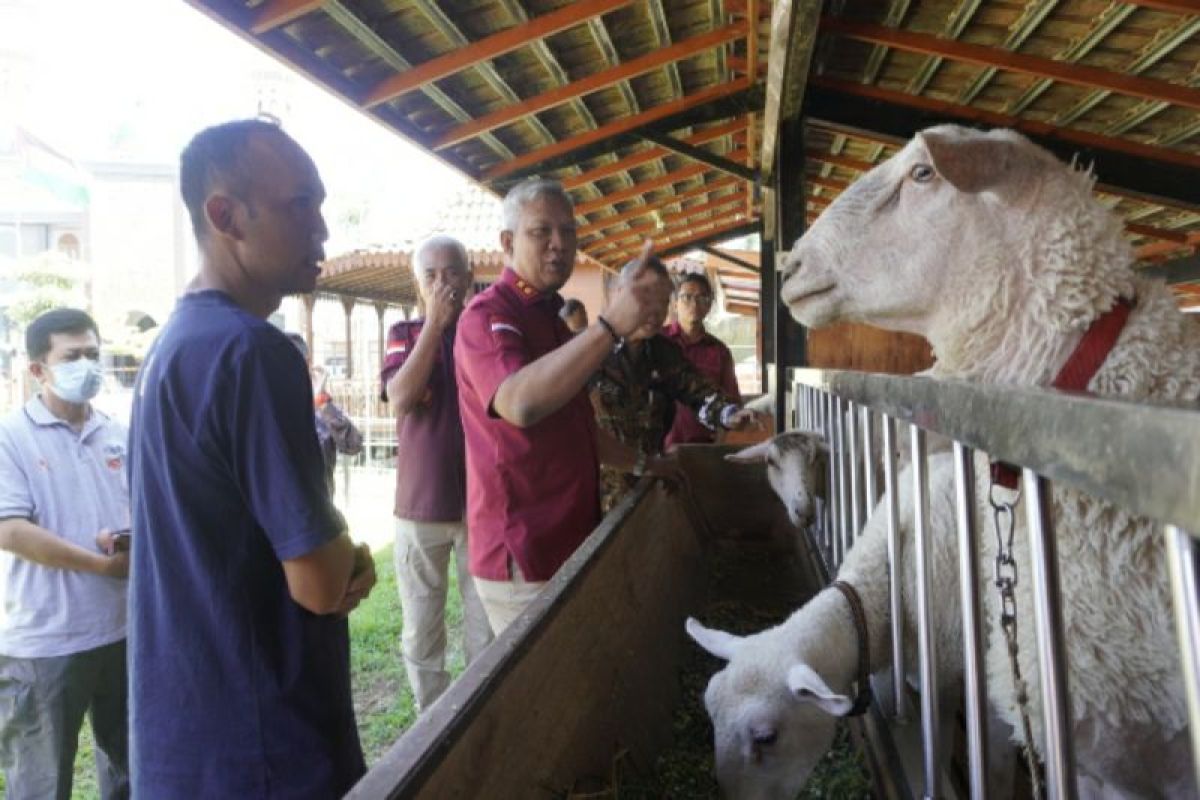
(532, 443)
(707, 353)
(419, 382)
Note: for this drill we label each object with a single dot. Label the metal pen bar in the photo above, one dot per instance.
(895, 590)
(871, 495)
(925, 635)
(827, 429)
(834, 512)
(1182, 551)
(855, 470)
(973, 643)
(1052, 654)
(844, 479)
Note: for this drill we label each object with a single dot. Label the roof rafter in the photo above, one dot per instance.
(276, 13)
(489, 47)
(654, 205)
(667, 179)
(592, 83)
(685, 216)
(611, 129)
(1076, 74)
(694, 153)
(726, 228)
(651, 154)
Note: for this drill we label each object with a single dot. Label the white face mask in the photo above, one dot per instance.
(76, 381)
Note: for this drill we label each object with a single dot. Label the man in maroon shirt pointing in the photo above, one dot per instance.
(419, 384)
(532, 443)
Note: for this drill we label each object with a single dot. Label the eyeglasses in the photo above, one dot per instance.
(698, 299)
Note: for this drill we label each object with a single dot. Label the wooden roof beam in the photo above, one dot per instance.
(685, 216)
(651, 154)
(592, 83)
(489, 47)
(715, 161)
(1170, 178)
(1160, 249)
(277, 13)
(792, 42)
(614, 128)
(1076, 74)
(724, 229)
(646, 208)
(1184, 7)
(664, 180)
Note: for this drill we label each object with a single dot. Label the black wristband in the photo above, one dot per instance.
(611, 330)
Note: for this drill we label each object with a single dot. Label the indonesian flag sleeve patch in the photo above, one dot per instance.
(503, 328)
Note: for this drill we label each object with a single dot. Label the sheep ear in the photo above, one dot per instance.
(970, 161)
(720, 644)
(754, 454)
(807, 687)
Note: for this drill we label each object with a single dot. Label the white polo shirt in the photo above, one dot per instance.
(72, 484)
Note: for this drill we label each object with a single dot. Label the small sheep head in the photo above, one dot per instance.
(796, 467)
(890, 250)
(772, 720)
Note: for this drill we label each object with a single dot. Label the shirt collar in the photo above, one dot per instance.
(675, 331)
(526, 291)
(40, 414)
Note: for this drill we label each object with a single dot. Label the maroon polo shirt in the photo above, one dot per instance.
(712, 358)
(532, 493)
(431, 475)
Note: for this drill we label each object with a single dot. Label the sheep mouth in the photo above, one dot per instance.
(796, 299)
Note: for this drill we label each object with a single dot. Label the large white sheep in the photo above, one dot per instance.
(773, 707)
(1001, 257)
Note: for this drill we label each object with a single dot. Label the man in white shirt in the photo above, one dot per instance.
(64, 519)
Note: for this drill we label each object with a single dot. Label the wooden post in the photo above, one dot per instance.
(348, 306)
(380, 308)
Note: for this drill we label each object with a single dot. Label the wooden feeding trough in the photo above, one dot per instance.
(590, 672)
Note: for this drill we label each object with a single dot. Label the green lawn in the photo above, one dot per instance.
(382, 698)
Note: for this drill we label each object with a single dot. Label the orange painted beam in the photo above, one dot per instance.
(651, 154)
(1028, 126)
(1062, 71)
(637, 211)
(752, 42)
(489, 47)
(592, 83)
(684, 216)
(639, 189)
(842, 161)
(1150, 232)
(276, 13)
(694, 234)
(1159, 249)
(828, 183)
(614, 128)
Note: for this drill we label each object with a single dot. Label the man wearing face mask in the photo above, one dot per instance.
(63, 498)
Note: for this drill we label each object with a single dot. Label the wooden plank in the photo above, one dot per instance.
(489, 47)
(614, 128)
(637, 211)
(639, 189)
(277, 13)
(687, 219)
(592, 83)
(1076, 74)
(792, 41)
(733, 226)
(650, 154)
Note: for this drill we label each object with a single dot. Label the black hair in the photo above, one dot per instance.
(696, 277)
(570, 306)
(59, 320)
(215, 154)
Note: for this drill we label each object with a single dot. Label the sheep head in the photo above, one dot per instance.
(773, 716)
(890, 250)
(796, 467)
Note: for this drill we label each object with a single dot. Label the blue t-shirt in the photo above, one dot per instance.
(235, 689)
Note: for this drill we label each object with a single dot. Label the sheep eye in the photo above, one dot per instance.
(921, 173)
(765, 738)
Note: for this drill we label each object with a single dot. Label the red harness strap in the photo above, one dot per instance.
(1085, 361)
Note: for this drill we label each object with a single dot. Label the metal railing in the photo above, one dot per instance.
(1142, 457)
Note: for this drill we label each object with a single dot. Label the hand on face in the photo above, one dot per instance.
(443, 306)
(640, 302)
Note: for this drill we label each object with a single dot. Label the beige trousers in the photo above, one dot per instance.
(422, 557)
(503, 601)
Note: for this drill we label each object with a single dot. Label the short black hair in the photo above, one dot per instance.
(570, 306)
(214, 154)
(58, 320)
(696, 277)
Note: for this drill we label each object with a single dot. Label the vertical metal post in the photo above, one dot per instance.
(1182, 550)
(871, 495)
(925, 635)
(1052, 654)
(855, 471)
(894, 565)
(968, 577)
(844, 480)
(827, 429)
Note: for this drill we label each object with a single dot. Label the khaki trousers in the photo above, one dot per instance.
(422, 556)
(503, 601)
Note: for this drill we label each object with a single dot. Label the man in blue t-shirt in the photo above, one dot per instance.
(242, 572)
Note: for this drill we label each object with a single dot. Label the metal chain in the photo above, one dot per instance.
(1004, 523)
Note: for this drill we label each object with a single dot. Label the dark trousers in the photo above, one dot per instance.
(42, 705)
